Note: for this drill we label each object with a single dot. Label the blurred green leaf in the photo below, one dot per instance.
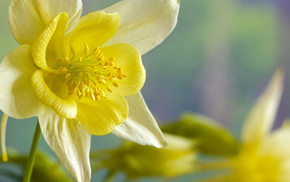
(45, 168)
(212, 139)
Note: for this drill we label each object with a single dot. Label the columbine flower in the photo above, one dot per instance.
(136, 161)
(264, 156)
(82, 76)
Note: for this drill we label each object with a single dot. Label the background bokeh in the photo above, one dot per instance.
(216, 62)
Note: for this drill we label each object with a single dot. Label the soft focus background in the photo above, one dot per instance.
(216, 62)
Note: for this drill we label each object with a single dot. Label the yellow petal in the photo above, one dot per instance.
(65, 107)
(276, 144)
(145, 23)
(27, 18)
(16, 95)
(70, 142)
(93, 29)
(140, 127)
(129, 60)
(262, 115)
(274, 156)
(101, 117)
(52, 35)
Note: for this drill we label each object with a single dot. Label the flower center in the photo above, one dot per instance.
(90, 76)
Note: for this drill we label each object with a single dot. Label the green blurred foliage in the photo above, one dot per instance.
(138, 161)
(45, 169)
(210, 137)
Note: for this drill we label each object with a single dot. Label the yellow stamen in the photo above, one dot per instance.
(111, 59)
(71, 91)
(87, 49)
(109, 89)
(68, 76)
(73, 49)
(62, 81)
(63, 70)
(67, 60)
(81, 87)
(110, 78)
(120, 76)
(92, 96)
(90, 76)
(103, 94)
(59, 59)
(97, 51)
(3, 135)
(98, 97)
(79, 94)
(116, 84)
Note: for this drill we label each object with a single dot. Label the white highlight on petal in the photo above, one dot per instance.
(144, 23)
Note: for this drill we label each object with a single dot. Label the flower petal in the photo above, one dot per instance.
(262, 115)
(276, 144)
(129, 60)
(145, 23)
(52, 35)
(94, 29)
(101, 117)
(27, 18)
(16, 95)
(65, 107)
(140, 127)
(70, 141)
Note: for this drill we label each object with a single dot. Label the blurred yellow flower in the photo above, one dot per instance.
(80, 76)
(137, 161)
(264, 155)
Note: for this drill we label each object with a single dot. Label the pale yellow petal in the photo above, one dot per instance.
(16, 95)
(94, 29)
(70, 141)
(65, 107)
(276, 144)
(101, 117)
(28, 18)
(263, 113)
(140, 127)
(129, 60)
(50, 43)
(275, 154)
(145, 23)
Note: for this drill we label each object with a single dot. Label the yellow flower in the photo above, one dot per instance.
(264, 155)
(178, 158)
(83, 76)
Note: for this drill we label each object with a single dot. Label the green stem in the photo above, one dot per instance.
(31, 158)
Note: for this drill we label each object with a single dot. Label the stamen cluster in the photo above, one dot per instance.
(90, 76)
